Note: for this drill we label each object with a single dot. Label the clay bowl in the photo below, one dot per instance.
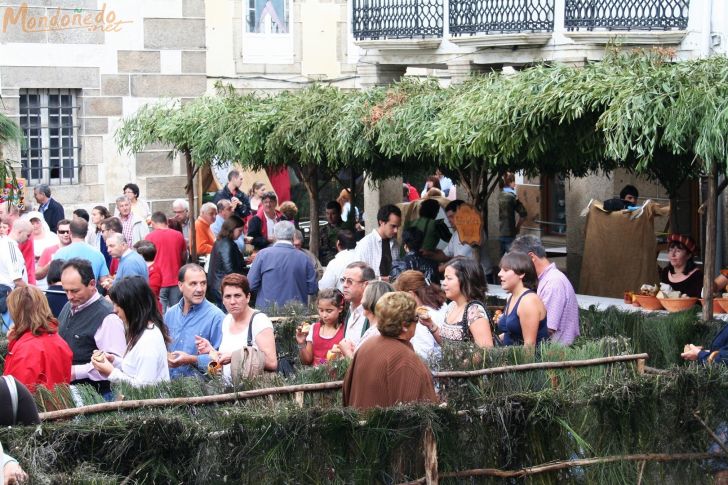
(717, 308)
(723, 302)
(678, 304)
(648, 302)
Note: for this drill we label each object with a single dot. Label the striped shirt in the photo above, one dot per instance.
(12, 264)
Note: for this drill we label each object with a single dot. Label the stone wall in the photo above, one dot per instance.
(158, 53)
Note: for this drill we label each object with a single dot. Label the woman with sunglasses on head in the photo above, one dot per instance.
(681, 273)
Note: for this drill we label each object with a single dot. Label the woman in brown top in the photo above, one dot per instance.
(386, 371)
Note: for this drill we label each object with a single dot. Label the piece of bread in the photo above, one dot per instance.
(423, 312)
(334, 353)
(306, 327)
(98, 356)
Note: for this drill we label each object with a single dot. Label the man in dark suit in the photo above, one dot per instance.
(52, 211)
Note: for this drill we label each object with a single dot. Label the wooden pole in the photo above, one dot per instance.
(561, 465)
(429, 450)
(539, 366)
(191, 201)
(187, 401)
(710, 237)
(324, 386)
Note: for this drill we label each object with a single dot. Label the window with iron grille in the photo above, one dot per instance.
(49, 119)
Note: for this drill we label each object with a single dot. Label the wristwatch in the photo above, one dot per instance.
(301, 346)
(434, 328)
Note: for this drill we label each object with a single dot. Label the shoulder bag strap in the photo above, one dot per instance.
(13, 389)
(250, 329)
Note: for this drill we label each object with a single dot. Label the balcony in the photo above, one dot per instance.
(398, 24)
(510, 22)
(417, 24)
(633, 22)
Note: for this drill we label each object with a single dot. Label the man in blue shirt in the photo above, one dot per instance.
(281, 273)
(192, 316)
(131, 263)
(80, 249)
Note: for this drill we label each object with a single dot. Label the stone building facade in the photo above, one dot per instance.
(70, 85)
(86, 78)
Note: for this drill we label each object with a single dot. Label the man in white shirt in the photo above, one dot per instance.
(345, 244)
(379, 248)
(12, 264)
(357, 276)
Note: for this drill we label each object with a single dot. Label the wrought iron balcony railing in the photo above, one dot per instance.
(422, 19)
(397, 19)
(500, 16)
(626, 14)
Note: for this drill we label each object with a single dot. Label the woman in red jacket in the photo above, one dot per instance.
(37, 355)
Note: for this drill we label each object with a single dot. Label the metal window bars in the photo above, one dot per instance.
(500, 16)
(626, 14)
(397, 19)
(51, 153)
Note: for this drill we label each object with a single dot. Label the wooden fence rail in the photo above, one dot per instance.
(299, 389)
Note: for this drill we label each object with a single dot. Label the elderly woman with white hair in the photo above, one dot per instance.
(281, 273)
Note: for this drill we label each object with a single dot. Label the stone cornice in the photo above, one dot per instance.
(663, 37)
(400, 44)
(502, 40)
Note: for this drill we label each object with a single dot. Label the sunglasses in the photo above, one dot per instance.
(63, 232)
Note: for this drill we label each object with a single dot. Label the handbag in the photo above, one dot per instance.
(467, 335)
(249, 361)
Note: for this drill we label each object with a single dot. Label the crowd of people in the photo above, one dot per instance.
(98, 298)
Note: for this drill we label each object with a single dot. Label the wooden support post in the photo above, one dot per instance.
(640, 366)
(299, 398)
(710, 235)
(429, 450)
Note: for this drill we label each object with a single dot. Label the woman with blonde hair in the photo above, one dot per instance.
(344, 201)
(37, 355)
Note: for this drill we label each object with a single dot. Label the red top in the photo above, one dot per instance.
(47, 255)
(321, 346)
(412, 193)
(39, 360)
(171, 247)
(28, 251)
(155, 282)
